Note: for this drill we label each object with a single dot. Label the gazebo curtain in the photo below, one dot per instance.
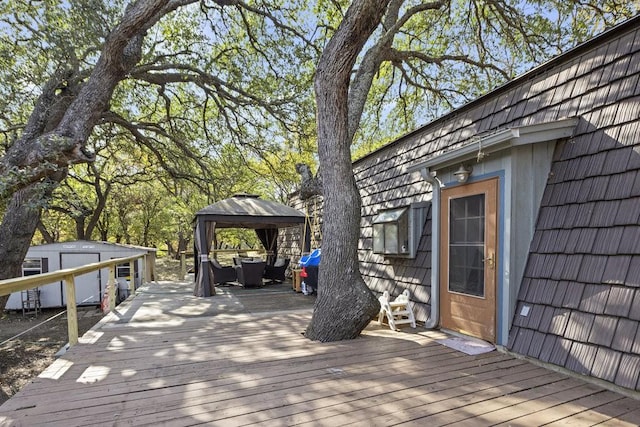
(269, 239)
(204, 285)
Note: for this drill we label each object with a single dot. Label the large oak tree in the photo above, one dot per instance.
(54, 138)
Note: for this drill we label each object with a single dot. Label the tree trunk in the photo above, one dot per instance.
(183, 243)
(19, 224)
(102, 197)
(345, 305)
(104, 234)
(173, 254)
(79, 220)
(21, 218)
(50, 144)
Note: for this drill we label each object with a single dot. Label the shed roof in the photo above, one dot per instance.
(90, 245)
(250, 211)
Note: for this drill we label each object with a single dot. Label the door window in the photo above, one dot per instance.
(466, 245)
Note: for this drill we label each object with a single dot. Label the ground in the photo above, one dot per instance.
(24, 357)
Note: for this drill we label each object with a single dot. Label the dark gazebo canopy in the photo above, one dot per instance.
(239, 211)
(249, 211)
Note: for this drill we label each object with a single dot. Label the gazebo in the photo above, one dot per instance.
(239, 211)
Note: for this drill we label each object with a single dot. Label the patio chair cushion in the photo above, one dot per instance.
(238, 260)
(250, 273)
(222, 274)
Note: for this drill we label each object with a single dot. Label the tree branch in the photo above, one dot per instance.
(138, 133)
(377, 54)
(36, 155)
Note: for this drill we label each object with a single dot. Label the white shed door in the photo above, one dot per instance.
(87, 285)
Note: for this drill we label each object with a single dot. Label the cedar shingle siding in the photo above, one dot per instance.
(582, 276)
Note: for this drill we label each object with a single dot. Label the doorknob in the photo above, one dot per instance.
(490, 261)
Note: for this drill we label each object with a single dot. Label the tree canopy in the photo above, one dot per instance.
(209, 109)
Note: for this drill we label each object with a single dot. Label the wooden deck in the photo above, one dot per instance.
(167, 358)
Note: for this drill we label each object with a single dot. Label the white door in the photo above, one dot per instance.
(87, 285)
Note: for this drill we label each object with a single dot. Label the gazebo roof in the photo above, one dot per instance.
(249, 211)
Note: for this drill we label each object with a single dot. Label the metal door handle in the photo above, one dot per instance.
(490, 261)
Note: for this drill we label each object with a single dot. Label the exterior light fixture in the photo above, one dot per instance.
(462, 174)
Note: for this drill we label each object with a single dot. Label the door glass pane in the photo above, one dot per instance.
(466, 245)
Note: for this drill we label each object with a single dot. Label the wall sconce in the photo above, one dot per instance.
(462, 174)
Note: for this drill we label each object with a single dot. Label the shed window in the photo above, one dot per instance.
(391, 232)
(33, 266)
(122, 271)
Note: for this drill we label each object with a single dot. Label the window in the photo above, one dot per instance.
(466, 245)
(391, 232)
(122, 271)
(32, 266)
(396, 232)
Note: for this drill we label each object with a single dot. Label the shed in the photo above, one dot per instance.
(89, 287)
(239, 211)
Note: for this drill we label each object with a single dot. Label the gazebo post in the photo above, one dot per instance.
(204, 257)
(306, 236)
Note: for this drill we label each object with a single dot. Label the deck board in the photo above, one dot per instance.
(601, 414)
(166, 358)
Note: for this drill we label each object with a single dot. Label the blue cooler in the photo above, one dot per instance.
(310, 265)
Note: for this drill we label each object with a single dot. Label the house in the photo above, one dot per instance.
(89, 287)
(516, 218)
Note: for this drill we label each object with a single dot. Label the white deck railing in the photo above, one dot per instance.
(9, 286)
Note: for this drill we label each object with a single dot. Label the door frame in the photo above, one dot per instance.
(493, 213)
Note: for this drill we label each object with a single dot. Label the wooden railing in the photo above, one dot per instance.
(9, 286)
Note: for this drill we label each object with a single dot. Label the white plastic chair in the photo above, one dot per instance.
(398, 311)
